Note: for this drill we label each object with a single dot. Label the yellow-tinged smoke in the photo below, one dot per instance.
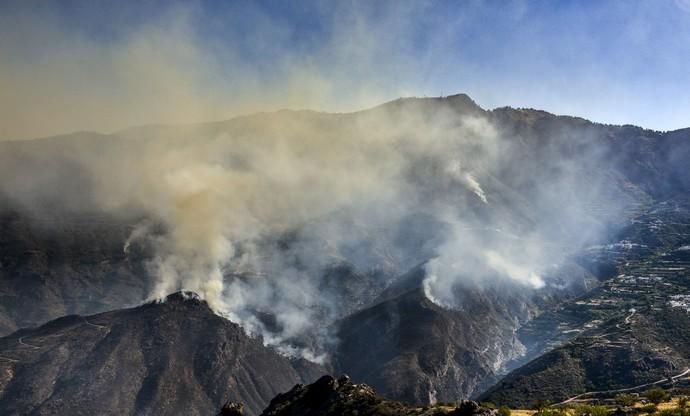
(57, 79)
(218, 199)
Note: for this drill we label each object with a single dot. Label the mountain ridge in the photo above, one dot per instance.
(170, 357)
(460, 97)
(76, 263)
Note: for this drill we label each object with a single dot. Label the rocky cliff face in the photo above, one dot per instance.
(170, 358)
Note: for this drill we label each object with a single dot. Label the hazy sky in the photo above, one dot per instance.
(98, 65)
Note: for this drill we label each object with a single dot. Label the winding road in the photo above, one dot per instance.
(21, 342)
(86, 321)
(589, 393)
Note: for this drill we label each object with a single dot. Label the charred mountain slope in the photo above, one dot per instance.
(170, 358)
(410, 349)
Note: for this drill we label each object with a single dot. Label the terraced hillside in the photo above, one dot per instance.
(631, 330)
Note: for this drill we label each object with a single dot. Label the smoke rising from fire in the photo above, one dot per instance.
(269, 216)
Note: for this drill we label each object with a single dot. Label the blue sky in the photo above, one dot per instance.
(609, 61)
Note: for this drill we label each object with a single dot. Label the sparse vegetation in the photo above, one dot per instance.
(542, 404)
(551, 411)
(587, 410)
(656, 395)
(675, 411)
(625, 400)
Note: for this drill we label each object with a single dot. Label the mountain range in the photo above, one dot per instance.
(602, 211)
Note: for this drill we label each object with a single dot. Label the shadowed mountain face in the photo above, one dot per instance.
(62, 265)
(419, 352)
(170, 358)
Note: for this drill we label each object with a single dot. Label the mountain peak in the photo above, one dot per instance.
(184, 296)
(173, 357)
(462, 103)
(460, 98)
(181, 300)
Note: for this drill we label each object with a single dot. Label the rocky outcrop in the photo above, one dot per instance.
(232, 409)
(472, 408)
(340, 397)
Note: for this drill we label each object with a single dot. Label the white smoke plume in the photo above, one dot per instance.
(455, 170)
(257, 213)
(252, 213)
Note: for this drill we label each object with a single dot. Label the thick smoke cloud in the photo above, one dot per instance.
(256, 214)
(268, 217)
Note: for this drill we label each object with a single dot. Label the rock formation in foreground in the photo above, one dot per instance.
(338, 397)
